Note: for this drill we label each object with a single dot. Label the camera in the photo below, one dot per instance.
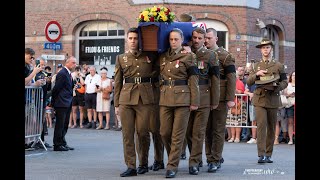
(37, 62)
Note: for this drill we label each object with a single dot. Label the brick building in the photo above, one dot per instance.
(85, 23)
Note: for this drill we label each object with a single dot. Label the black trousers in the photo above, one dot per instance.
(61, 126)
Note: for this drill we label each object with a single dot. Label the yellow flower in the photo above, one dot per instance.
(146, 19)
(156, 14)
(145, 13)
(154, 9)
(164, 18)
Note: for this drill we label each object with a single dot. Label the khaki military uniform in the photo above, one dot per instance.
(134, 94)
(179, 89)
(208, 67)
(266, 103)
(216, 125)
(154, 124)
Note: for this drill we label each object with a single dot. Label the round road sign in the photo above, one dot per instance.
(53, 31)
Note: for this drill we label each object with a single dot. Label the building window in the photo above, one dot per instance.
(272, 34)
(222, 31)
(98, 43)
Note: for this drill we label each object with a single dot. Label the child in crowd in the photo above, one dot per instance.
(49, 110)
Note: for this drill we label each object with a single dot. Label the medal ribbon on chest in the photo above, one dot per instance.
(125, 59)
(147, 59)
(200, 65)
(177, 64)
(163, 61)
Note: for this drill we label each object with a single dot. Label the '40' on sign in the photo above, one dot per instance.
(54, 46)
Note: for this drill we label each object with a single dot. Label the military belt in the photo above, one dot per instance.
(175, 82)
(138, 80)
(155, 80)
(203, 81)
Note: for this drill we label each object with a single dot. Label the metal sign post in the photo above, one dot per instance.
(53, 32)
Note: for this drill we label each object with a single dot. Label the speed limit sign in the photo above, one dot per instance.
(53, 31)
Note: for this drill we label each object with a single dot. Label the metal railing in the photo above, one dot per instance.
(238, 115)
(33, 115)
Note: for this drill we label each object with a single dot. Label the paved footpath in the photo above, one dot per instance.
(98, 155)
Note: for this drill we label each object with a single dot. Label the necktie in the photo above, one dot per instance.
(172, 53)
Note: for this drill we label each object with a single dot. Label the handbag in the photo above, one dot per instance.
(106, 92)
(236, 110)
(80, 88)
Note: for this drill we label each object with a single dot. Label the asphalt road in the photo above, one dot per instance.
(98, 155)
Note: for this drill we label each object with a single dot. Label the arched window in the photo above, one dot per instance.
(98, 43)
(272, 34)
(222, 31)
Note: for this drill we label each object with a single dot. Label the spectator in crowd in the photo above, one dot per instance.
(48, 71)
(235, 131)
(78, 98)
(46, 86)
(252, 114)
(29, 70)
(270, 76)
(62, 103)
(245, 132)
(289, 92)
(85, 70)
(281, 120)
(90, 97)
(179, 94)
(103, 105)
(49, 112)
(215, 132)
(117, 121)
(53, 79)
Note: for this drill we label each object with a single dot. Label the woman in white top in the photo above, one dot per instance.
(103, 105)
(290, 93)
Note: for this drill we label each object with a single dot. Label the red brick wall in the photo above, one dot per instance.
(239, 20)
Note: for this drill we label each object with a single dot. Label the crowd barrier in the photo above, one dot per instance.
(238, 115)
(33, 115)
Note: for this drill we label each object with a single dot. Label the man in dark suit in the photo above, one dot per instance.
(61, 101)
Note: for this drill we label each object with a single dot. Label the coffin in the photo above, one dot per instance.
(154, 36)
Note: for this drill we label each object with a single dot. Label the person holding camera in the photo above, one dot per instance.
(78, 98)
(104, 90)
(46, 86)
(90, 96)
